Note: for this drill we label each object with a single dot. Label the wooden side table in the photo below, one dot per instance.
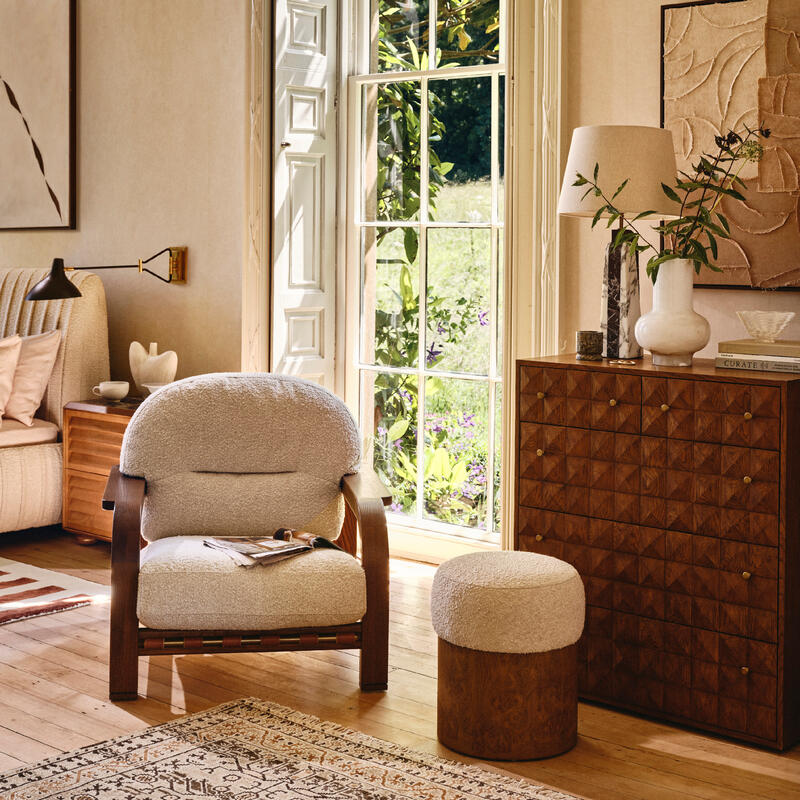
(93, 431)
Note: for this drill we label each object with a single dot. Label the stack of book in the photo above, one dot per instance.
(780, 356)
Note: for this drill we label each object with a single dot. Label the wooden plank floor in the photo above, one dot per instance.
(53, 697)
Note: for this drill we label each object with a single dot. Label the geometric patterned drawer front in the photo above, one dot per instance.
(682, 578)
(724, 681)
(581, 399)
(633, 652)
(712, 489)
(710, 411)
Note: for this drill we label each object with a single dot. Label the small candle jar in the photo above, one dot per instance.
(589, 345)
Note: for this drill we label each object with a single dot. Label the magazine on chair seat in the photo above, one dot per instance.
(249, 551)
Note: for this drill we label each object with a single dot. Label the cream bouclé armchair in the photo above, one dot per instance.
(241, 455)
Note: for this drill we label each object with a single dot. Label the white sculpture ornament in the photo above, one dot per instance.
(151, 367)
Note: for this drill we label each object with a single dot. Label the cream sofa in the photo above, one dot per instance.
(31, 458)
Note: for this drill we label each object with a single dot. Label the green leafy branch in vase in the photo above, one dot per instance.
(695, 233)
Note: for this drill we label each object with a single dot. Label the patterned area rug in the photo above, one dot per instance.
(27, 591)
(251, 750)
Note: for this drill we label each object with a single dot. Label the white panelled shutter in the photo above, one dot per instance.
(304, 234)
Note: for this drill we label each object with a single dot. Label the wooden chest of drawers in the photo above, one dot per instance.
(675, 492)
(93, 432)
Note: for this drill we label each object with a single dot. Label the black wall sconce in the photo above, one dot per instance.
(57, 286)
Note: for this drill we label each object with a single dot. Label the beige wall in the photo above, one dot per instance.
(161, 135)
(611, 75)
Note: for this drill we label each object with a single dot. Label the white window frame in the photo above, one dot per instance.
(533, 40)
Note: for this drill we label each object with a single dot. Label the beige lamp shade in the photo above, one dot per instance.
(645, 156)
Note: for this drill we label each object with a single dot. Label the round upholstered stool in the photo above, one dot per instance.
(507, 624)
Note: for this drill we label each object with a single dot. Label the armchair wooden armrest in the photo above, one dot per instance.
(124, 496)
(365, 485)
(366, 496)
(128, 490)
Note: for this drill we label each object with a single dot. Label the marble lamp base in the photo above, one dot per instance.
(620, 303)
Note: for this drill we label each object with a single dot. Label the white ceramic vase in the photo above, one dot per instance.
(673, 331)
(151, 367)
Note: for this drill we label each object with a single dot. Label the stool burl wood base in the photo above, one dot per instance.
(507, 706)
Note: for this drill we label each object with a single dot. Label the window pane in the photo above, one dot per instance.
(390, 296)
(468, 32)
(402, 35)
(391, 151)
(458, 318)
(460, 113)
(498, 453)
(392, 414)
(456, 451)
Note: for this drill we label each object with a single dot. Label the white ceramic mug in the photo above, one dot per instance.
(111, 390)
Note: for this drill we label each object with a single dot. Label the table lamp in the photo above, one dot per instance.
(645, 157)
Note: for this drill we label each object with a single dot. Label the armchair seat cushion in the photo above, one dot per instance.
(184, 585)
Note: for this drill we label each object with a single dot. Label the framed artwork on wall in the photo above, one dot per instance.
(726, 64)
(37, 114)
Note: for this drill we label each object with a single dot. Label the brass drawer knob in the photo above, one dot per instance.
(664, 407)
(748, 415)
(744, 670)
(540, 395)
(612, 402)
(747, 575)
(538, 537)
(747, 479)
(540, 452)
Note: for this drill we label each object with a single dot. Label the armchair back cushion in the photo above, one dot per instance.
(238, 454)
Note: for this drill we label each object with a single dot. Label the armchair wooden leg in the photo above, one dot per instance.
(374, 662)
(123, 661)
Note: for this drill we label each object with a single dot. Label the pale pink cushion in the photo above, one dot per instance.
(36, 359)
(15, 434)
(9, 356)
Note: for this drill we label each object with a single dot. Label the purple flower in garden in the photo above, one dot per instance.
(467, 421)
(440, 329)
(434, 424)
(406, 395)
(398, 443)
(483, 318)
(433, 354)
(396, 507)
(381, 430)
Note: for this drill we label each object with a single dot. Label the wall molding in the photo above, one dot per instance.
(257, 271)
(533, 183)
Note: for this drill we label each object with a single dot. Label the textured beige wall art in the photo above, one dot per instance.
(36, 113)
(726, 65)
